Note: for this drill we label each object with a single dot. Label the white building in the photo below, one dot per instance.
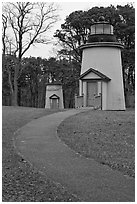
(54, 96)
(101, 79)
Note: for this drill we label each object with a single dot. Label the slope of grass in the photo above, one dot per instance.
(106, 136)
(21, 182)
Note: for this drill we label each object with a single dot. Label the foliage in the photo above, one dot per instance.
(8, 66)
(36, 73)
(76, 28)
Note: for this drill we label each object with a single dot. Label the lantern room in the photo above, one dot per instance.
(101, 28)
(101, 31)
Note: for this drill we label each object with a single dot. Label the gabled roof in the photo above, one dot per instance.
(99, 74)
(54, 96)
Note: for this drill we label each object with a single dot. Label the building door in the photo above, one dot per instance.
(54, 103)
(91, 93)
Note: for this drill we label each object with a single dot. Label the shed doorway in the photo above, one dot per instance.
(54, 101)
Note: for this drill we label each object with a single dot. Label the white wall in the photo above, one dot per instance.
(107, 60)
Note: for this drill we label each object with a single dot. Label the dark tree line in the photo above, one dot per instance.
(27, 77)
(36, 74)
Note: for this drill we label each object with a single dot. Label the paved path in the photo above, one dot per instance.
(89, 180)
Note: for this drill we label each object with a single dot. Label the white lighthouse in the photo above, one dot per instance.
(101, 79)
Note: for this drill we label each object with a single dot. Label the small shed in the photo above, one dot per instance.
(54, 96)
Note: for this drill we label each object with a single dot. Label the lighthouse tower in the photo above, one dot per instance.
(101, 79)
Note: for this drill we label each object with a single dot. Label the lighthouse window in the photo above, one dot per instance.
(99, 29)
(107, 29)
(93, 29)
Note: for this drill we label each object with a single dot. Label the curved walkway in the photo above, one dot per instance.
(90, 181)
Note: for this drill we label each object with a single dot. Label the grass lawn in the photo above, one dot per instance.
(21, 182)
(106, 136)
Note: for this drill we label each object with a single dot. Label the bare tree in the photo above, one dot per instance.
(4, 27)
(26, 23)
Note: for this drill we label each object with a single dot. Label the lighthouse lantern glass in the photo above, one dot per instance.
(101, 28)
(107, 29)
(93, 29)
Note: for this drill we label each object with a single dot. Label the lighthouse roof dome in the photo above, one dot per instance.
(101, 18)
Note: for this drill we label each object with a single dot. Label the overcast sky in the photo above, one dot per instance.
(46, 51)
